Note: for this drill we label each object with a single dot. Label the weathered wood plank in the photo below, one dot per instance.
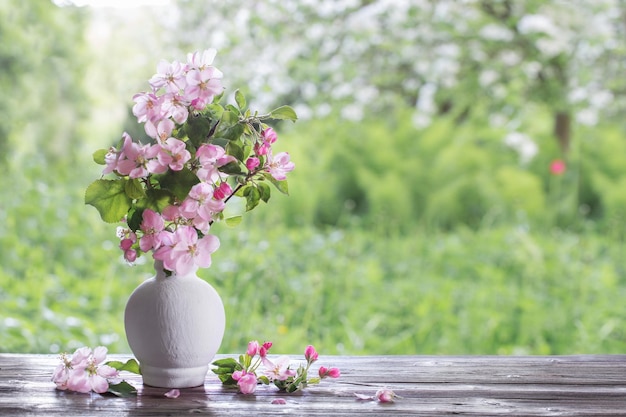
(585, 385)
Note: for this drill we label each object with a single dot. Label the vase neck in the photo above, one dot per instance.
(162, 273)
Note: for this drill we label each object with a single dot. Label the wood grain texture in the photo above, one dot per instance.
(584, 385)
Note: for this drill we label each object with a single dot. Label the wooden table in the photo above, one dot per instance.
(584, 385)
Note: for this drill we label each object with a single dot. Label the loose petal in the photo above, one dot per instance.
(279, 401)
(363, 397)
(173, 393)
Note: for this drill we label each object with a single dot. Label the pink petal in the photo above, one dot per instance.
(99, 384)
(363, 397)
(279, 401)
(174, 393)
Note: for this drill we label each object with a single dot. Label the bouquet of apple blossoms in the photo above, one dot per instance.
(169, 191)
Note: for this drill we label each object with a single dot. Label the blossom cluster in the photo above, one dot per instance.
(84, 371)
(170, 190)
(245, 373)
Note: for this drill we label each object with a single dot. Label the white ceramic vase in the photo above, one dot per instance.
(174, 326)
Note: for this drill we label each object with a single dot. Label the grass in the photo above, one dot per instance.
(498, 290)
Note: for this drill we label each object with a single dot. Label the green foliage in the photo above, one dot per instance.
(353, 291)
(42, 106)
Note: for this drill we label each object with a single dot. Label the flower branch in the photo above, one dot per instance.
(169, 192)
(244, 373)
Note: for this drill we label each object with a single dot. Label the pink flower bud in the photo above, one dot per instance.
(130, 255)
(264, 349)
(222, 191)
(252, 163)
(310, 354)
(329, 372)
(253, 348)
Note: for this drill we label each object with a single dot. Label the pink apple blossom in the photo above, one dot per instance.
(200, 203)
(175, 106)
(134, 158)
(278, 370)
(170, 76)
(269, 136)
(211, 157)
(183, 251)
(202, 60)
(110, 161)
(161, 131)
(152, 225)
(279, 165)
(85, 371)
(171, 154)
(202, 86)
(147, 107)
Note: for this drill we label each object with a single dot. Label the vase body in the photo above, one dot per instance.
(174, 326)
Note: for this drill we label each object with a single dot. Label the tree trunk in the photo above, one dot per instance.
(562, 130)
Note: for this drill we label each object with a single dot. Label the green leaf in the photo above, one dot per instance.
(134, 218)
(284, 113)
(280, 185)
(109, 198)
(227, 379)
(130, 365)
(157, 200)
(314, 381)
(229, 127)
(231, 168)
(178, 182)
(233, 109)
(197, 129)
(133, 189)
(98, 156)
(233, 221)
(264, 190)
(264, 379)
(122, 389)
(234, 149)
(240, 99)
(253, 196)
(226, 362)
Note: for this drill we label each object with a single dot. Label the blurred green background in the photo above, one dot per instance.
(424, 216)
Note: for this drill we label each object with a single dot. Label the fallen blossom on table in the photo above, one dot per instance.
(173, 393)
(383, 395)
(86, 371)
